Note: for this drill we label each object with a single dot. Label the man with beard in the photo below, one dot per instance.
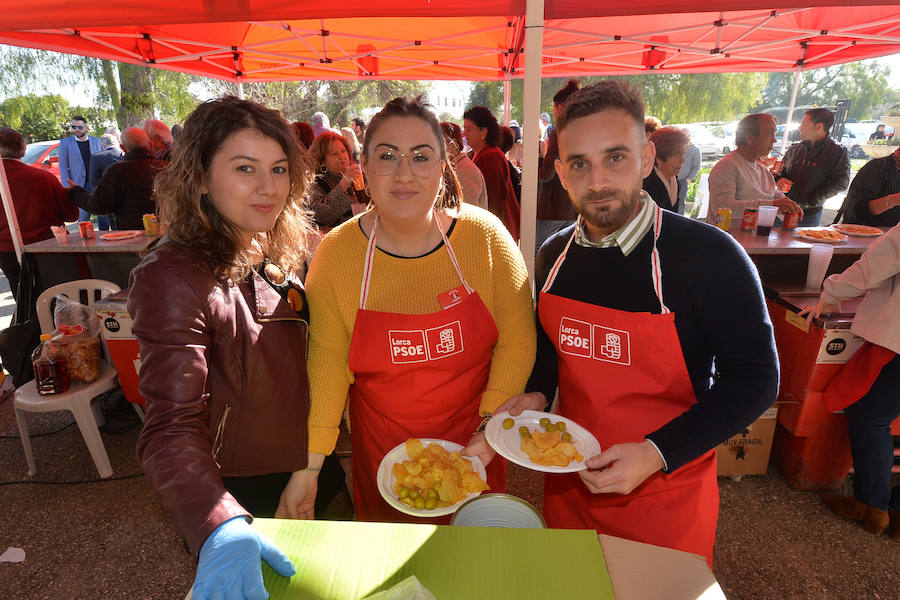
(636, 304)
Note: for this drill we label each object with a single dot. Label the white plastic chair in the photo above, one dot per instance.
(78, 398)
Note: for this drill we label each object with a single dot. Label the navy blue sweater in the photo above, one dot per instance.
(713, 288)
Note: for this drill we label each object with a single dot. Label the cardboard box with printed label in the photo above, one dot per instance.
(747, 453)
(124, 352)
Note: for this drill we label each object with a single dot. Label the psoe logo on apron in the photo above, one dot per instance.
(407, 346)
(415, 346)
(612, 345)
(579, 338)
(575, 337)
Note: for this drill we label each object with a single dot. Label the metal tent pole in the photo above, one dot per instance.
(10, 211)
(534, 50)
(790, 113)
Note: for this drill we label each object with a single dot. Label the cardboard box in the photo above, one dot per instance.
(124, 351)
(747, 453)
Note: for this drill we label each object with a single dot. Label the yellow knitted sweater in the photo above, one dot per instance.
(491, 264)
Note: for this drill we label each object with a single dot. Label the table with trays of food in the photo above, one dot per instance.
(782, 257)
(109, 255)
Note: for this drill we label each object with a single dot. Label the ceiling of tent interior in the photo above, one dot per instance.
(462, 39)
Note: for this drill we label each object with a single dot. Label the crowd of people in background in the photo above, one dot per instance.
(488, 159)
(242, 191)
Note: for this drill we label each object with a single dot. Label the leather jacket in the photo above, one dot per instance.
(818, 172)
(223, 370)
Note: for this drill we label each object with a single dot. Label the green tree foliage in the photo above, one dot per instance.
(37, 118)
(126, 94)
(864, 84)
(47, 117)
(673, 98)
(340, 100)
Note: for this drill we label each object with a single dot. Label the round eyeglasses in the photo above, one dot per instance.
(423, 162)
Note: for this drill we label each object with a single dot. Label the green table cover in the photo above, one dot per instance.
(352, 560)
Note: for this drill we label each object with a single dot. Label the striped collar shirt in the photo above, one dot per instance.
(627, 237)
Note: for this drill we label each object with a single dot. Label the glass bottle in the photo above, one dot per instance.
(49, 372)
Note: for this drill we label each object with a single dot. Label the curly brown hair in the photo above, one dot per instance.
(191, 218)
(451, 191)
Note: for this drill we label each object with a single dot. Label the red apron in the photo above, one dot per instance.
(622, 376)
(855, 378)
(416, 376)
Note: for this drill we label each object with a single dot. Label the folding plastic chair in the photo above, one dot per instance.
(78, 399)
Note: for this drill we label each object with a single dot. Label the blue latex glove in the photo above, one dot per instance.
(230, 566)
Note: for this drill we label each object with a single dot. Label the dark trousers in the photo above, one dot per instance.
(812, 217)
(10, 267)
(869, 422)
(260, 495)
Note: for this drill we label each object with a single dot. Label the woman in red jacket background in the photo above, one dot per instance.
(483, 136)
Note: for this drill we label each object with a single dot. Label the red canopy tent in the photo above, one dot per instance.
(261, 40)
(242, 41)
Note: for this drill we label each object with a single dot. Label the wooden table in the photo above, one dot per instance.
(784, 242)
(76, 245)
(47, 263)
(782, 259)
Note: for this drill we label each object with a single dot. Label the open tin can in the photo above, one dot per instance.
(498, 510)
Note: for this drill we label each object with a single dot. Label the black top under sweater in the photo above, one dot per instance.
(713, 288)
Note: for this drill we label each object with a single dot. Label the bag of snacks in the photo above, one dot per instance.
(76, 340)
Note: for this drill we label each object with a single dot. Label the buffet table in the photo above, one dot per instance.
(352, 560)
(50, 262)
(782, 259)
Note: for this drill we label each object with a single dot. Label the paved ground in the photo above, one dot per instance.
(110, 539)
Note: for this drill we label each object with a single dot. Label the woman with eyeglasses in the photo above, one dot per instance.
(338, 184)
(421, 311)
(222, 328)
(482, 133)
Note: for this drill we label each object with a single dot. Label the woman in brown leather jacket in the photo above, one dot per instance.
(222, 329)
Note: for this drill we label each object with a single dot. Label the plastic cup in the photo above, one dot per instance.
(765, 220)
(819, 259)
(60, 233)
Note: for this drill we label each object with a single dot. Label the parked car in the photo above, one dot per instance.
(863, 129)
(852, 142)
(711, 145)
(44, 155)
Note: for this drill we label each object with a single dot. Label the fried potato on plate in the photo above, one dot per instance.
(433, 477)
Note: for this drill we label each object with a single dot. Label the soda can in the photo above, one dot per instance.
(723, 219)
(87, 230)
(791, 220)
(748, 222)
(151, 225)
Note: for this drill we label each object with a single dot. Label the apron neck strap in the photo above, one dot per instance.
(370, 261)
(655, 264)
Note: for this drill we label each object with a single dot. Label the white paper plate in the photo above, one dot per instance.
(802, 235)
(874, 232)
(120, 235)
(507, 442)
(386, 479)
